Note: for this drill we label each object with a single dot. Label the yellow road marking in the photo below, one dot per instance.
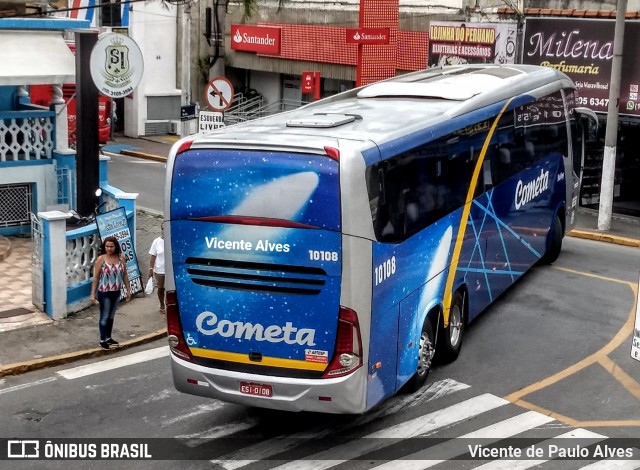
(600, 357)
(621, 376)
(576, 423)
(597, 276)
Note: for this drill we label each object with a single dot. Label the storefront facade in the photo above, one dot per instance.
(583, 49)
(578, 42)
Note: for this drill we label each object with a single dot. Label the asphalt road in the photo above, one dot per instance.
(554, 349)
(136, 175)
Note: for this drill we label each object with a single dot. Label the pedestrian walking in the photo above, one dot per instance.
(109, 278)
(156, 266)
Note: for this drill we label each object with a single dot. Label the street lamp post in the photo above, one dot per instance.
(186, 63)
(611, 135)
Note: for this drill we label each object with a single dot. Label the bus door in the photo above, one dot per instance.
(256, 248)
(584, 130)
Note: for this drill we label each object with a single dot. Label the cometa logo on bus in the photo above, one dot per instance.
(526, 192)
(208, 324)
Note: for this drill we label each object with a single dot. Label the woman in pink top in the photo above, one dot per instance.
(109, 278)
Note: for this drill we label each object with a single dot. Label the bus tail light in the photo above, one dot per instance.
(184, 146)
(347, 355)
(174, 328)
(332, 152)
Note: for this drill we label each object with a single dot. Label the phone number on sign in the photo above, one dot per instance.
(122, 234)
(584, 101)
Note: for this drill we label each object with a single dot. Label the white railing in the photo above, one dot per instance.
(83, 248)
(74, 252)
(26, 135)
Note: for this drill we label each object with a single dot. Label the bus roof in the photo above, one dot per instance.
(386, 110)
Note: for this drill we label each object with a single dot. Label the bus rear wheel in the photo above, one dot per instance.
(453, 334)
(554, 242)
(426, 351)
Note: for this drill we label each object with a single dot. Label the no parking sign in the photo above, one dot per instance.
(219, 94)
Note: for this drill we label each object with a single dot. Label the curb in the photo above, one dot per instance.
(604, 237)
(146, 156)
(28, 366)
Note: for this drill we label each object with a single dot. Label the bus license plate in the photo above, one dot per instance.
(259, 390)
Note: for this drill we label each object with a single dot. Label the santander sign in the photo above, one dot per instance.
(259, 39)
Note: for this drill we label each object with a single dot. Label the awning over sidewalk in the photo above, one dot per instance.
(35, 58)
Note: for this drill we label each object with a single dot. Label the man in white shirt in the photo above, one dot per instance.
(156, 266)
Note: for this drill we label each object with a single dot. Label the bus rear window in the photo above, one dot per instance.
(299, 188)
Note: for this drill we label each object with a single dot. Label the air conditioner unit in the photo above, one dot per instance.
(174, 127)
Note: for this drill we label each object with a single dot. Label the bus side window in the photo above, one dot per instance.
(501, 165)
(486, 176)
(389, 223)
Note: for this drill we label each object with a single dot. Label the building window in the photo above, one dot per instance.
(110, 11)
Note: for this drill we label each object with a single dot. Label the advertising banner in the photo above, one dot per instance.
(583, 49)
(115, 224)
(456, 42)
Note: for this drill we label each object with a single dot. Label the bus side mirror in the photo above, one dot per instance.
(590, 123)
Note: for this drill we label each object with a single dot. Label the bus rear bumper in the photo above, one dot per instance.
(339, 395)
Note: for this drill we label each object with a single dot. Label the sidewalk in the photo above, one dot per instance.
(57, 342)
(624, 230)
(44, 342)
(151, 147)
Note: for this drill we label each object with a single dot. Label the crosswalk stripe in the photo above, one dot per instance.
(608, 464)
(436, 390)
(216, 432)
(386, 437)
(27, 385)
(280, 444)
(200, 409)
(115, 363)
(455, 447)
(587, 437)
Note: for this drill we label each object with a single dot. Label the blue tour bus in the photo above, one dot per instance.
(317, 259)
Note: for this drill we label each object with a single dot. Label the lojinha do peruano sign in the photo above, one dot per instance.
(583, 49)
(457, 42)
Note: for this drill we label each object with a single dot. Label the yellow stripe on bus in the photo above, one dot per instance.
(448, 293)
(266, 361)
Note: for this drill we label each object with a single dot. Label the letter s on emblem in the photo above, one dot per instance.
(208, 318)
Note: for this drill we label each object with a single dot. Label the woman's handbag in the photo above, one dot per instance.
(151, 284)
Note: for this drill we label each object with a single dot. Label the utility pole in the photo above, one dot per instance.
(186, 62)
(219, 12)
(87, 146)
(611, 135)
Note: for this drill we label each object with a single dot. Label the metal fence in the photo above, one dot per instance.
(15, 205)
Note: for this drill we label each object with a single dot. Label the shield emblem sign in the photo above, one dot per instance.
(117, 59)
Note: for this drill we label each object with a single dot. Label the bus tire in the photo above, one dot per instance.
(426, 351)
(451, 341)
(554, 242)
